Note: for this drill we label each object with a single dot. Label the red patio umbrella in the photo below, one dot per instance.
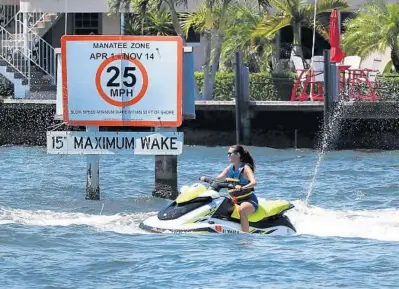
(336, 54)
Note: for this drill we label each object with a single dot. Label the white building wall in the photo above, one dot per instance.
(385, 58)
(83, 6)
(111, 25)
(70, 6)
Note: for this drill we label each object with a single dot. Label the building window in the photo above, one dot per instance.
(87, 23)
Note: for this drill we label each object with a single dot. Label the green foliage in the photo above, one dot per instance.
(387, 87)
(256, 51)
(273, 87)
(263, 86)
(295, 12)
(375, 27)
(149, 19)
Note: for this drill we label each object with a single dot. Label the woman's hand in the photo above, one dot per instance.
(238, 187)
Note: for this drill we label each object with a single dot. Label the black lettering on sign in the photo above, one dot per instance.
(119, 92)
(104, 143)
(110, 143)
(127, 73)
(118, 45)
(78, 143)
(173, 140)
(98, 55)
(167, 143)
(149, 55)
(133, 55)
(140, 45)
(88, 143)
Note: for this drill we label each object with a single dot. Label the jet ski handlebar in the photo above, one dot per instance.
(219, 184)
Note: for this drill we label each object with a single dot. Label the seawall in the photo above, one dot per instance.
(277, 125)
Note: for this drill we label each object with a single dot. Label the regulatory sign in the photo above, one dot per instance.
(122, 80)
(134, 143)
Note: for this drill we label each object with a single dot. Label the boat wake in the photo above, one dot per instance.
(118, 223)
(380, 225)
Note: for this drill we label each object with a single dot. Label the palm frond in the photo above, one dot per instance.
(271, 25)
(372, 30)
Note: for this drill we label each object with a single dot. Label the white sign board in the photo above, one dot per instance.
(122, 80)
(134, 143)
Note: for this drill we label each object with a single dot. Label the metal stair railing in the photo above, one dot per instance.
(32, 19)
(12, 52)
(7, 14)
(40, 52)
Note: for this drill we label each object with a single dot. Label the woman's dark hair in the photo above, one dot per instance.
(245, 156)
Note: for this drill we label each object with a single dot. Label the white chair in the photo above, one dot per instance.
(299, 66)
(301, 77)
(318, 68)
(317, 64)
(354, 61)
(375, 69)
(369, 77)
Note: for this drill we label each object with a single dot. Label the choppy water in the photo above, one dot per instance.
(50, 237)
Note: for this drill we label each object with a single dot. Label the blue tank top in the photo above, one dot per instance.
(238, 174)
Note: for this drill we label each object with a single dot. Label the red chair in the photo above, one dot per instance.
(309, 79)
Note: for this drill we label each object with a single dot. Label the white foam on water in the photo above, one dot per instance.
(329, 134)
(119, 223)
(382, 225)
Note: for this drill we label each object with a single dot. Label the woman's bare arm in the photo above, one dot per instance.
(223, 174)
(249, 174)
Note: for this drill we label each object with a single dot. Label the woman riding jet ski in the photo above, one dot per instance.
(204, 209)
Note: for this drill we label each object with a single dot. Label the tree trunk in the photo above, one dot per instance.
(206, 67)
(208, 85)
(395, 58)
(175, 19)
(297, 40)
(215, 63)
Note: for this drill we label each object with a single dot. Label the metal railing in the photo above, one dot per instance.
(7, 14)
(12, 52)
(40, 52)
(20, 44)
(33, 20)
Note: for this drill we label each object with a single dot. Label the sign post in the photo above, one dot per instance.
(93, 172)
(119, 80)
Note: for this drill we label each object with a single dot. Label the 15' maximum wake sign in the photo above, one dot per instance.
(122, 80)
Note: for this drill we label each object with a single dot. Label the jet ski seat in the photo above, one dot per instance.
(266, 209)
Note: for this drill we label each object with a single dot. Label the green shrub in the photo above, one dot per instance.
(272, 87)
(387, 87)
(263, 86)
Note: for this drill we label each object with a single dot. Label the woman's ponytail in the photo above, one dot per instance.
(245, 156)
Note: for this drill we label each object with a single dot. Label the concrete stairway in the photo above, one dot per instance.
(26, 59)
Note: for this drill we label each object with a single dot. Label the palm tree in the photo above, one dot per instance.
(152, 21)
(256, 52)
(373, 29)
(297, 13)
(120, 6)
(212, 20)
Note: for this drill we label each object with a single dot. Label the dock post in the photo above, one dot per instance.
(242, 113)
(93, 172)
(165, 173)
(331, 89)
(327, 89)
